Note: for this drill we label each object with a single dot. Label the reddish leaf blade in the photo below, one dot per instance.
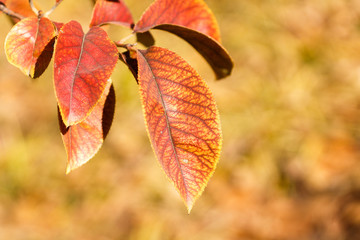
(83, 140)
(26, 42)
(114, 11)
(82, 65)
(194, 22)
(181, 118)
(193, 14)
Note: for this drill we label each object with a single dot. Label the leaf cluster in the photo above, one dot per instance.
(180, 112)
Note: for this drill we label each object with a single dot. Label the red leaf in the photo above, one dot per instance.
(82, 65)
(26, 42)
(83, 140)
(111, 12)
(194, 22)
(193, 14)
(181, 118)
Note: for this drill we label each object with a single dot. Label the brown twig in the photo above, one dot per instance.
(125, 45)
(121, 43)
(10, 13)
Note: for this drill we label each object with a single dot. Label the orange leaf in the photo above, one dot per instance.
(111, 12)
(26, 42)
(82, 65)
(181, 118)
(194, 22)
(193, 14)
(83, 140)
(21, 7)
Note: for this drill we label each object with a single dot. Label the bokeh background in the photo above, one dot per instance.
(290, 165)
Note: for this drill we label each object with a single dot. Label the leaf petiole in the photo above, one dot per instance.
(121, 43)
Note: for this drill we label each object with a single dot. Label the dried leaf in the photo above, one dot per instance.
(82, 65)
(83, 140)
(181, 118)
(115, 12)
(26, 42)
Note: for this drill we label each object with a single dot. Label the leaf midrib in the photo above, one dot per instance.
(74, 76)
(167, 125)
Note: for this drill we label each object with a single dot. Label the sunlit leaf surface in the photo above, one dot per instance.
(181, 118)
(193, 14)
(83, 140)
(194, 22)
(83, 63)
(26, 42)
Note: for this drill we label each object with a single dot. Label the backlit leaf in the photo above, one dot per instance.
(82, 65)
(193, 14)
(83, 140)
(26, 42)
(181, 118)
(194, 22)
(114, 11)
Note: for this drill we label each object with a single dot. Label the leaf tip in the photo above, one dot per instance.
(68, 169)
(189, 205)
(71, 166)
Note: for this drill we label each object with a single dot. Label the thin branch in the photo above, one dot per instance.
(33, 7)
(10, 12)
(53, 8)
(122, 41)
(124, 45)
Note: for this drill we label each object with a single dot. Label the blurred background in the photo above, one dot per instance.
(290, 164)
